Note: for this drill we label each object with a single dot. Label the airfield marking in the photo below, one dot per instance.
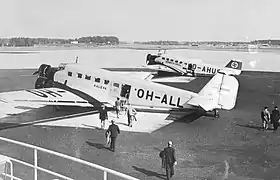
(49, 119)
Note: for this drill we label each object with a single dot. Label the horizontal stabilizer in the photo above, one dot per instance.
(219, 93)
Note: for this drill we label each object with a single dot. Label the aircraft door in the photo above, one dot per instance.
(125, 91)
(125, 94)
(190, 67)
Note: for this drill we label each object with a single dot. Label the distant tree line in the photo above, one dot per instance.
(158, 42)
(274, 42)
(213, 43)
(190, 42)
(25, 41)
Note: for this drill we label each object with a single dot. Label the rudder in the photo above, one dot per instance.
(219, 93)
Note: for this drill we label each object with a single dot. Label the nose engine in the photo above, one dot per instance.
(151, 59)
(45, 76)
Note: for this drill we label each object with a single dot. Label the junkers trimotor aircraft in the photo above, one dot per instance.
(168, 66)
(72, 84)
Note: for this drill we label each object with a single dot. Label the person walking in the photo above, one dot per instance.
(275, 115)
(114, 131)
(131, 115)
(265, 116)
(118, 106)
(103, 115)
(168, 160)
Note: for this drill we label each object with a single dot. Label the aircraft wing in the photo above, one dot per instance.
(161, 68)
(174, 79)
(45, 96)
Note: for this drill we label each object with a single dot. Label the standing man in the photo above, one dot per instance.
(103, 115)
(131, 115)
(114, 131)
(265, 116)
(118, 106)
(168, 160)
(275, 115)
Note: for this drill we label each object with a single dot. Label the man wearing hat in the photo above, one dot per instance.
(103, 115)
(275, 115)
(114, 131)
(168, 160)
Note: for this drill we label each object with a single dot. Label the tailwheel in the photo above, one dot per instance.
(216, 113)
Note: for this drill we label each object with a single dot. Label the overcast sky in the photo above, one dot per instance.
(132, 20)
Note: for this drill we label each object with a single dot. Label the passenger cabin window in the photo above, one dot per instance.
(176, 61)
(116, 85)
(181, 62)
(106, 81)
(69, 73)
(163, 58)
(171, 60)
(97, 80)
(79, 75)
(88, 77)
(167, 59)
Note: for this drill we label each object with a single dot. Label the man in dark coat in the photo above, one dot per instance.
(168, 160)
(103, 115)
(114, 131)
(275, 115)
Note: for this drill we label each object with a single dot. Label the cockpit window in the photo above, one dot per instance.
(69, 73)
(79, 75)
(116, 85)
(88, 77)
(97, 80)
(106, 81)
(61, 66)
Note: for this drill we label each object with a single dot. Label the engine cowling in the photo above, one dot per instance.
(45, 76)
(151, 59)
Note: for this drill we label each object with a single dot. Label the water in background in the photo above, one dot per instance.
(264, 61)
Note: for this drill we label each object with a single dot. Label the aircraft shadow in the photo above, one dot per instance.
(97, 145)
(186, 119)
(149, 173)
(252, 127)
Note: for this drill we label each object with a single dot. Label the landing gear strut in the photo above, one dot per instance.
(216, 113)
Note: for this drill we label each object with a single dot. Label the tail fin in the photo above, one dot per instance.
(233, 67)
(219, 93)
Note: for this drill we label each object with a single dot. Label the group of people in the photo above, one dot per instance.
(113, 130)
(272, 118)
(167, 155)
(130, 111)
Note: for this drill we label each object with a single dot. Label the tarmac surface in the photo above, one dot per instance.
(231, 147)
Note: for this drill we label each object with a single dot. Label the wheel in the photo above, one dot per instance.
(216, 113)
